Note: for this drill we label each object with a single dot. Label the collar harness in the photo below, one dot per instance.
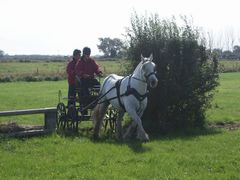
(130, 90)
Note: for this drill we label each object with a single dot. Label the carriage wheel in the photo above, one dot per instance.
(61, 116)
(72, 122)
(110, 119)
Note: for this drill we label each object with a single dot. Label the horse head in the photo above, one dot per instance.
(149, 71)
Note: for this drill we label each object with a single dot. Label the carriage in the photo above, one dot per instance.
(70, 116)
(117, 95)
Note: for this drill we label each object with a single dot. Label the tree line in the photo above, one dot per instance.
(30, 58)
(115, 48)
(110, 47)
(228, 54)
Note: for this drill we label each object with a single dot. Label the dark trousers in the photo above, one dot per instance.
(71, 95)
(84, 93)
(86, 84)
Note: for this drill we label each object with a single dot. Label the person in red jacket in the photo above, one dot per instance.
(86, 69)
(71, 74)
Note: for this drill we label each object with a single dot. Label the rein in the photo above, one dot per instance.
(97, 99)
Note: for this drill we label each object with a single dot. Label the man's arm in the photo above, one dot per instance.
(97, 69)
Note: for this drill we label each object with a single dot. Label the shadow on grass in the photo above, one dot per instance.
(140, 147)
(185, 134)
(106, 138)
(134, 144)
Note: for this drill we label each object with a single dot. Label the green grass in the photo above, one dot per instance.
(31, 67)
(43, 68)
(229, 65)
(26, 95)
(206, 155)
(226, 104)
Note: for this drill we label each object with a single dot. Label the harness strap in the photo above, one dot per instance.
(136, 94)
(129, 91)
(147, 76)
(118, 84)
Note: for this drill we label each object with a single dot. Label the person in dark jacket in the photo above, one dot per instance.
(86, 69)
(71, 74)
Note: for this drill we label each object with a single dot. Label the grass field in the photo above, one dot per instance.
(197, 154)
(24, 95)
(16, 70)
(230, 66)
(31, 67)
(226, 104)
(116, 66)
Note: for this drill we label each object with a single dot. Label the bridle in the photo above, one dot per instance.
(146, 77)
(151, 73)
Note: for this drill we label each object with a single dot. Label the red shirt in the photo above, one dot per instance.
(71, 71)
(89, 67)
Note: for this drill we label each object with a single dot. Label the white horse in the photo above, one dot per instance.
(126, 94)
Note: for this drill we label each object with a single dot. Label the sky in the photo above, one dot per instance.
(57, 27)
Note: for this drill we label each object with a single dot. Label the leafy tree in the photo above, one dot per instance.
(187, 77)
(111, 47)
(236, 51)
(218, 52)
(227, 55)
(1, 54)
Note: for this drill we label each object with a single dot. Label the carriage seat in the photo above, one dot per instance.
(95, 88)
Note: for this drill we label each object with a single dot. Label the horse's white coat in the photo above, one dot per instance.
(142, 76)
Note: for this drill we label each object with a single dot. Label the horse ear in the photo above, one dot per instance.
(151, 57)
(142, 58)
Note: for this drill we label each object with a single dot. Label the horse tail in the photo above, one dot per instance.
(98, 115)
(101, 108)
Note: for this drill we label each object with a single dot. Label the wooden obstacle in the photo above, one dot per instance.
(49, 120)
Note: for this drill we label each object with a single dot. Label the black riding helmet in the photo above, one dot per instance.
(86, 51)
(76, 52)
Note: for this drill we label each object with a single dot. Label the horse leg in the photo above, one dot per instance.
(141, 134)
(130, 130)
(98, 115)
(119, 125)
(139, 131)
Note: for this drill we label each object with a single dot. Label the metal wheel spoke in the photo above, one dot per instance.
(110, 119)
(61, 116)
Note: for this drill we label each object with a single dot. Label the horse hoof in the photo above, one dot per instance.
(143, 138)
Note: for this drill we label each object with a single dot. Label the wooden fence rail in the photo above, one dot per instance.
(49, 115)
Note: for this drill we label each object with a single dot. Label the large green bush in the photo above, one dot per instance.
(187, 74)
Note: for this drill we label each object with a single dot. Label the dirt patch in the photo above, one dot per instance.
(225, 125)
(14, 127)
